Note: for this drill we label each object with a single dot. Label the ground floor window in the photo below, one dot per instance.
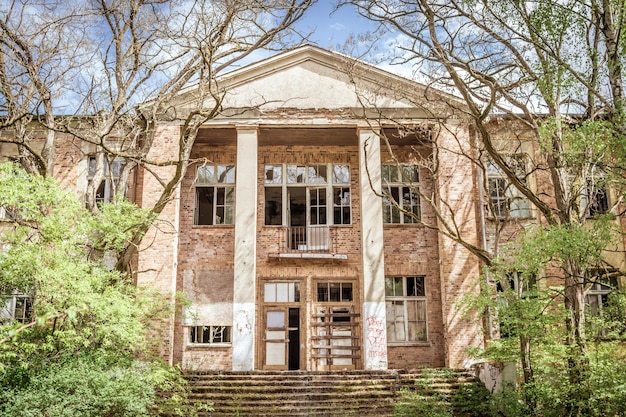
(209, 334)
(334, 292)
(406, 309)
(16, 306)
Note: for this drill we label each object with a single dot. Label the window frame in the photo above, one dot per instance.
(198, 332)
(394, 187)
(601, 285)
(314, 178)
(10, 307)
(420, 303)
(210, 182)
(595, 200)
(342, 285)
(503, 196)
(110, 176)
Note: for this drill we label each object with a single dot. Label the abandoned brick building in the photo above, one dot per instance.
(289, 257)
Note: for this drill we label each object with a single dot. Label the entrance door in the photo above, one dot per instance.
(282, 338)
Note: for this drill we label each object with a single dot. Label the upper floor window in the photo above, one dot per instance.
(405, 300)
(594, 199)
(307, 194)
(215, 195)
(111, 177)
(401, 203)
(16, 306)
(505, 199)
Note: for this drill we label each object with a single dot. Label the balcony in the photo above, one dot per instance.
(313, 242)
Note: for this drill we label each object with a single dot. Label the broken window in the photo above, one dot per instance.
(307, 195)
(401, 204)
(210, 334)
(405, 300)
(215, 195)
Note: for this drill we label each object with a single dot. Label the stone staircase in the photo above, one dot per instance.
(328, 394)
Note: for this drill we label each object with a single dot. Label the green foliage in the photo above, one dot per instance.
(86, 385)
(77, 355)
(413, 404)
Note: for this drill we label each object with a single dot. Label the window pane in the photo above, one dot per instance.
(226, 174)
(273, 174)
(296, 292)
(335, 291)
(415, 287)
(317, 174)
(204, 205)
(117, 166)
(389, 287)
(206, 334)
(410, 173)
(275, 319)
(389, 173)
(341, 174)
(296, 174)
(341, 207)
(399, 319)
(91, 170)
(273, 206)
(346, 291)
(392, 173)
(282, 292)
(205, 174)
(269, 292)
(322, 292)
(395, 212)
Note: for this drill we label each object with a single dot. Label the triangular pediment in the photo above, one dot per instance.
(309, 77)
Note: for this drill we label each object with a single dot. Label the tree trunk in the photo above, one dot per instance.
(578, 361)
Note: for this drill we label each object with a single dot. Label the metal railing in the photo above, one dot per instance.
(306, 239)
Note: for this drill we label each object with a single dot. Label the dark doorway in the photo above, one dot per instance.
(294, 339)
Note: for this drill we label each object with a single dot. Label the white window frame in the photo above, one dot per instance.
(400, 185)
(218, 178)
(601, 286)
(506, 200)
(398, 297)
(333, 179)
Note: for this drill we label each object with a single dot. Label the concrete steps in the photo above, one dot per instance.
(328, 394)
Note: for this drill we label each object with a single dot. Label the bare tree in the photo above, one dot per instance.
(118, 66)
(552, 72)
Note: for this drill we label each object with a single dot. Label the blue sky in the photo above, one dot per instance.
(333, 28)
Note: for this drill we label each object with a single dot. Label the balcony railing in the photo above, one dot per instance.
(308, 242)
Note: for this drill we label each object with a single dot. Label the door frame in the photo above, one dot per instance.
(264, 307)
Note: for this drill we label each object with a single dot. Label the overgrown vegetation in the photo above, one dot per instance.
(541, 84)
(78, 346)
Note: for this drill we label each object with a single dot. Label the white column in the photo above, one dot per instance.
(245, 249)
(374, 315)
